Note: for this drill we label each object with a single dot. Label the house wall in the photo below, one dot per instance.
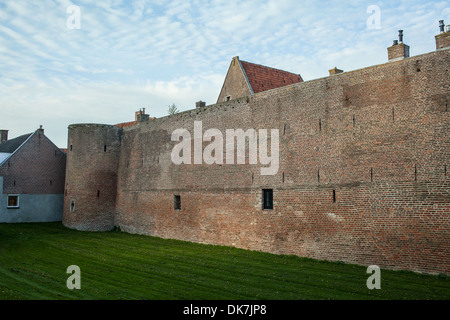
(36, 172)
(38, 167)
(33, 208)
(235, 84)
(376, 138)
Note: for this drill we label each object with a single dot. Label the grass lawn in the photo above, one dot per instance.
(115, 265)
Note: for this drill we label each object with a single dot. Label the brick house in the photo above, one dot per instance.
(245, 79)
(32, 174)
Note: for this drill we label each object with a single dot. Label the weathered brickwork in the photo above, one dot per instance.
(363, 174)
(91, 176)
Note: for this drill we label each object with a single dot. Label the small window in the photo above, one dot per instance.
(267, 199)
(13, 201)
(177, 202)
(228, 98)
(71, 148)
(72, 206)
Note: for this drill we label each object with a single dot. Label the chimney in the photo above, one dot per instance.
(443, 38)
(400, 36)
(3, 135)
(441, 25)
(335, 71)
(398, 50)
(140, 116)
(200, 104)
(40, 130)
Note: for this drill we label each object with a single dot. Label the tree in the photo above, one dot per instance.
(173, 109)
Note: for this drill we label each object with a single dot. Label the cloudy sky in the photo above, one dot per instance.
(101, 63)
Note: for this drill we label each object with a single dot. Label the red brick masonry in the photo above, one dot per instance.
(363, 172)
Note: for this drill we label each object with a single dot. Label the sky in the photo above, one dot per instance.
(67, 62)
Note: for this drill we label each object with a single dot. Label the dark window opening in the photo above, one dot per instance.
(320, 124)
(334, 196)
(267, 199)
(104, 148)
(354, 121)
(177, 202)
(13, 201)
(51, 182)
(371, 174)
(228, 98)
(71, 147)
(98, 193)
(72, 206)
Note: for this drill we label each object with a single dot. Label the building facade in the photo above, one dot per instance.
(32, 173)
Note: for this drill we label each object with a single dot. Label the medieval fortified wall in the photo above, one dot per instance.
(363, 171)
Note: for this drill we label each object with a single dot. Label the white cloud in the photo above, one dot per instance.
(154, 53)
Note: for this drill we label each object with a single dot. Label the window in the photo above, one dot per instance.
(228, 98)
(177, 202)
(267, 199)
(13, 201)
(72, 206)
(71, 148)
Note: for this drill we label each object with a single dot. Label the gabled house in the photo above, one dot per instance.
(32, 174)
(245, 79)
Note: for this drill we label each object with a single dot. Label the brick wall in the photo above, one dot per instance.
(38, 167)
(362, 179)
(91, 176)
(443, 40)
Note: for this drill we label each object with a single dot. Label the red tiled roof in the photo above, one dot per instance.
(129, 124)
(126, 124)
(262, 78)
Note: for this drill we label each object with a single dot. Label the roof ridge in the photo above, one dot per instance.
(261, 65)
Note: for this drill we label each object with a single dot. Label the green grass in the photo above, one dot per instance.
(115, 265)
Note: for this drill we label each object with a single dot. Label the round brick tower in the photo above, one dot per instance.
(91, 176)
